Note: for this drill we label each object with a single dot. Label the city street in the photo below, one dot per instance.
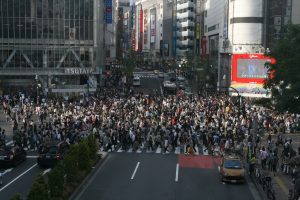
(153, 176)
(20, 178)
(149, 83)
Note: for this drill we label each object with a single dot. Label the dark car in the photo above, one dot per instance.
(11, 156)
(51, 153)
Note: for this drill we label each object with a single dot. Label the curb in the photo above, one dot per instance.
(261, 192)
(83, 184)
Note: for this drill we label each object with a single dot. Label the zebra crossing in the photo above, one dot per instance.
(158, 150)
(145, 74)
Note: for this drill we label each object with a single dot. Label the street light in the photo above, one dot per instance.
(37, 89)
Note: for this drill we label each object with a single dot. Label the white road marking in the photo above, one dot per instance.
(7, 171)
(31, 156)
(177, 150)
(46, 171)
(158, 150)
(161, 90)
(139, 151)
(177, 171)
(197, 150)
(205, 151)
(11, 182)
(135, 170)
(9, 143)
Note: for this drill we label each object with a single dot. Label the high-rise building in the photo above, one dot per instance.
(55, 44)
(185, 27)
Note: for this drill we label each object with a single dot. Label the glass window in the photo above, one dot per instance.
(22, 28)
(9, 7)
(16, 8)
(28, 8)
(50, 8)
(4, 8)
(45, 29)
(11, 27)
(76, 2)
(67, 9)
(39, 8)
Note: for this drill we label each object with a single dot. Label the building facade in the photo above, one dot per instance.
(185, 27)
(56, 43)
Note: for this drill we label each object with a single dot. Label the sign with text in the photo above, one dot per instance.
(79, 71)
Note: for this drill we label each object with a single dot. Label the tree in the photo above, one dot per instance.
(39, 190)
(83, 156)
(71, 164)
(284, 74)
(56, 180)
(16, 197)
(92, 145)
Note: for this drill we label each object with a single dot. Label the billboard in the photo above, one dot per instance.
(108, 11)
(152, 25)
(248, 73)
(145, 26)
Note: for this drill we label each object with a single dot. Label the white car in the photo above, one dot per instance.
(169, 85)
(136, 81)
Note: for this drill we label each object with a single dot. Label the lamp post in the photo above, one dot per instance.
(37, 89)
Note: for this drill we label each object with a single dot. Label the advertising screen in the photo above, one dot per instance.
(251, 68)
(248, 73)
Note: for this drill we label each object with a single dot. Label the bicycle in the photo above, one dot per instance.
(269, 188)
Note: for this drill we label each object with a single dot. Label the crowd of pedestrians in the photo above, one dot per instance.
(144, 121)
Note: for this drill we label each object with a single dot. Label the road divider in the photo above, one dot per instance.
(177, 172)
(135, 170)
(15, 179)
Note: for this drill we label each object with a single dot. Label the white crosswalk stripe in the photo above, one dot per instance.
(159, 150)
(177, 150)
(197, 150)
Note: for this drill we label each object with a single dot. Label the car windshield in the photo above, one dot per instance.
(52, 150)
(232, 164)
(3, 152)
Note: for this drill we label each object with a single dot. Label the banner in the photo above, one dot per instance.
(108, 11)
(145, 26)
(152, 25)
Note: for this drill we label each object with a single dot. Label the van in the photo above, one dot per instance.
(136, 81)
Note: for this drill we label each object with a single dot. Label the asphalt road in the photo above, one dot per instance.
(19, 179)
(149, 83)
(155, 176)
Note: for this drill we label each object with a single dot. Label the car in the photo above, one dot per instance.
(11, 156)
(180, 79)
(232, 169)
(50, 154)
(136, 81)
(161, 75)
(169, 85)
(156, 72)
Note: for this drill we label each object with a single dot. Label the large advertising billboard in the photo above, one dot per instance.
(108, 13)
(152, 25)
(248, 73)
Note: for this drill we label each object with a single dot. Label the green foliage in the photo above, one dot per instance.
(83, 156)
(56, 180)
(284, 77)
(92, 145)
(71, 164)
(39, 190)
(16, 197)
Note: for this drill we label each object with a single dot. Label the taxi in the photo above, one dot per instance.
(232, 169)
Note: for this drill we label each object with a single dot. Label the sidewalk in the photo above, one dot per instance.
(282, 183)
